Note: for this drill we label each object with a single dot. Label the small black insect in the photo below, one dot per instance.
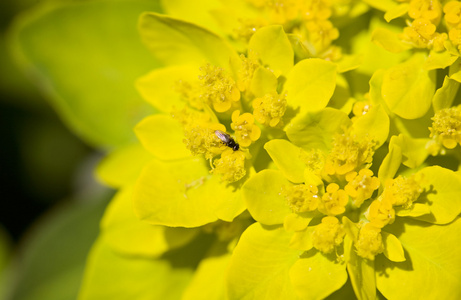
(227, 140)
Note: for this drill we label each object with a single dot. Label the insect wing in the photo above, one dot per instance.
(224, 137)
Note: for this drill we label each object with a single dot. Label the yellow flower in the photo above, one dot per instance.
(430, 10)
(334, 201)
(452, 12)
(369, 242)
(446, 127)
(380, 213)
(245, 129)
(320, 33)
(328, 234)
(217, 88)
(402, 191)
(302, 197)
(349, 153)
(231, 165)
(269, 109)
(361, 186)
(420, 33)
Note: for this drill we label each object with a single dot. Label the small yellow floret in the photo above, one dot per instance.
(314, 160)
(361, 186)
(361, 108)
(317, 9)
(402, 191)
(452, 12)
(199, 133)
(380, 213)
(455, 37)
(328, 235)
(217, 88)
(302, 198)
(245, 129)
(430, 10)
(231, 166)
(269, 110)
(369, 242)
(334, 201)
(349, 153)
(421, 34)
(248, 67)
(320, 34)
(446, 127)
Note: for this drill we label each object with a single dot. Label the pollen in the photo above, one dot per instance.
(328, 235)
(349, 153)
(334, 201)
(446, 127)
(361, 186)
(380, 213)
(218, 89)
(231, 166)
(369, 242)
(402, 191)
(246, 131)
(269, 110)
(301, 197)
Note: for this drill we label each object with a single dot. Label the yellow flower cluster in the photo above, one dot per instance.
(361, 186)
(369, 242)
(334, 201)
(426, 15)
(349, 153)
(246, 131)
(231, 165)
(302, 198)
(269, 109)
(446, 128)
(328, 235)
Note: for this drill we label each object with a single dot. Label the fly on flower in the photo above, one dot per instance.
(227, 140)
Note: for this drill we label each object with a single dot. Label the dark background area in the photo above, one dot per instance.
(39, 157)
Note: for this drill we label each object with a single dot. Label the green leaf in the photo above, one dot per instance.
(408, 89)
(315, 276)
(362, 276)
(439, 60)
(310, 84)
(442, 194)
(51, 263)
(212, 269)
(112, 276)
(260, 265)
(445, 95)
(183, 193)
(263, 197)
(126, 234)
(123, 166)
(273, 48)
(73, 52)
(431, 270)
(388, 40)
(176, 42)
(414, 151)
(163, 137)
(393, 249)
(316, 130)
(416, 210)
(159, 86)
(263, 82)
(391, 162)
(375, 124)
(286, 157)
(455, 70)
(396, 12)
